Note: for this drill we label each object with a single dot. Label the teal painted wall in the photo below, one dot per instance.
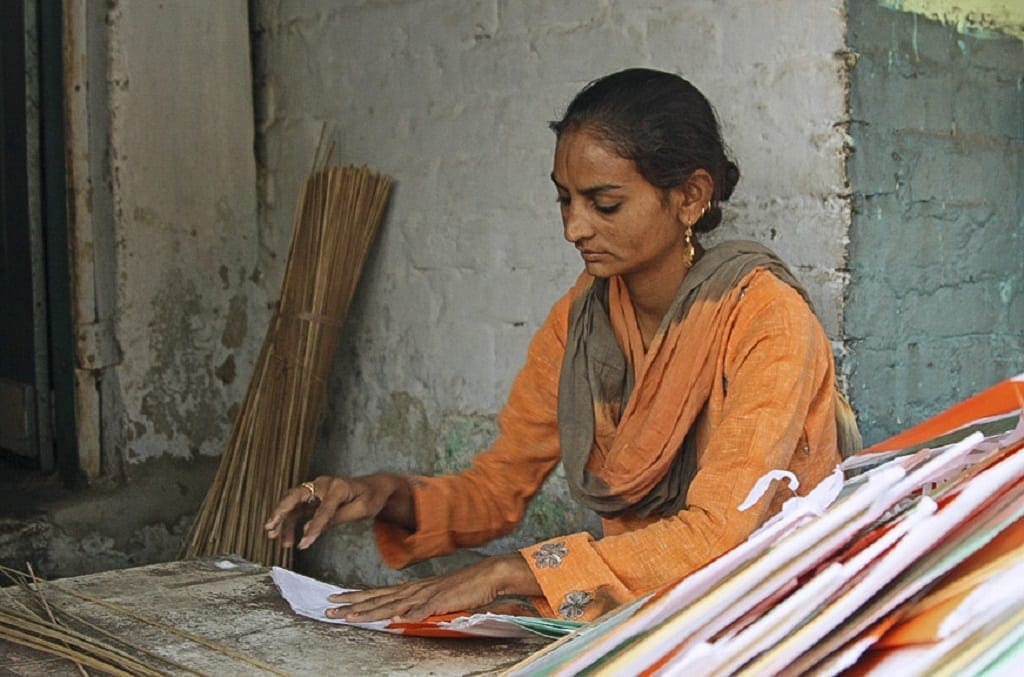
(935, 304)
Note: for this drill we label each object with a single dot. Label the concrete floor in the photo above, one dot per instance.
(241, 609)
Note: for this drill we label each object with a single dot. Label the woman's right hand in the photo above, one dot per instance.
(336, 500)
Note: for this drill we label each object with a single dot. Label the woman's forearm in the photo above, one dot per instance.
(515, 576)
(399, 508)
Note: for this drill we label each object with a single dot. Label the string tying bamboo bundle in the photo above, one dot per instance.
(336, 218)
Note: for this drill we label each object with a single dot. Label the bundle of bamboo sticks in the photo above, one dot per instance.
(337, 216)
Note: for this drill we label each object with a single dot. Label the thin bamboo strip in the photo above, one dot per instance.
(46, 607)
(30, 641)
(17, 602)
(31, 587)
(131, 645)
(70, 644)
(34, 582)
(36, 593)
(30, 591)
(125, 611)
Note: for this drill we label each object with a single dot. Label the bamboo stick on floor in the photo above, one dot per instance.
(336, 219)
(48, 630)
(41, 629)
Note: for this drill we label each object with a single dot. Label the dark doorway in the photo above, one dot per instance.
(36, 370)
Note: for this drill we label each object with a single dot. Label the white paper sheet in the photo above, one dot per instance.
(308, 597)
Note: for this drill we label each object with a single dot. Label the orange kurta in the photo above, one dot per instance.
(771, 407)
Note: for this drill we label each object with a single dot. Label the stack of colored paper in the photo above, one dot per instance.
(903, 562)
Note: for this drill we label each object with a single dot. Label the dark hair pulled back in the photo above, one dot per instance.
(663, 124)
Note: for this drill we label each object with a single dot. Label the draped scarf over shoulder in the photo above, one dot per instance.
(651, 460)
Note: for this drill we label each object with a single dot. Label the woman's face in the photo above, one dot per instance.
(620, 223)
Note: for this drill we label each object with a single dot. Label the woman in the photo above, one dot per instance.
(667, 381)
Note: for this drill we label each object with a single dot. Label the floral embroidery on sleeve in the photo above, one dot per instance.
(550, 555)
(574, 604)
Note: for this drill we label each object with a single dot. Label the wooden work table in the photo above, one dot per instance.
(240, 608)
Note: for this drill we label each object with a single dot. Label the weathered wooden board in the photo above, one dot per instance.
(241, 609)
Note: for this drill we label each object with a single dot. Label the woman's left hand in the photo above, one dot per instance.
(461, 590)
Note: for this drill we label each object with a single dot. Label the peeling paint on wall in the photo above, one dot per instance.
(184, 192)
(978, 18)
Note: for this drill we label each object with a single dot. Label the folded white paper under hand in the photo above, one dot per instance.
(308, 597)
